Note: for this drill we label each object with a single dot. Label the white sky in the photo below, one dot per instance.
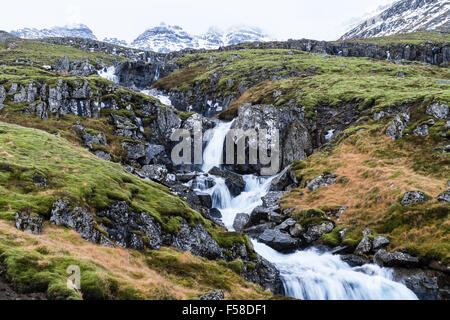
(282, 19)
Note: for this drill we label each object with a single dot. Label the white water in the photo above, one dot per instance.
(158, 95)
(109, 74)
(308, 275)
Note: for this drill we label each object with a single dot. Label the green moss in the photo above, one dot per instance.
(237, 266)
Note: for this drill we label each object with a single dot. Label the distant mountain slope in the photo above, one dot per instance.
(75, 31)
(405, 16)
(166, 38)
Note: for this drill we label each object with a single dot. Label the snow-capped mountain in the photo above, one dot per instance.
(75, 30)
(166, 38)
(405, 16)
(116, 42)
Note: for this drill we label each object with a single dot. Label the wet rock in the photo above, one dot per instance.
(205, 199)
(216, 295)
(215, 213)
(426, 284)
(186, 177)
(266, 275)
(234, 182)
(80, 220)
(256, 231)
(396, 259)
(285, 179)
(396, 128)
(28, 223)
(380, 242)
(314, 233)
(278, 240)
(259, 215)
(438, 110)
(364, 247)
(413, 197)
(445, 196)
(297, 143)
(241, 221)
(355, 260)
(275, 217)
(327, 179)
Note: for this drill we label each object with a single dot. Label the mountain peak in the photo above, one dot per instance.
(404, 16)
(73, 30)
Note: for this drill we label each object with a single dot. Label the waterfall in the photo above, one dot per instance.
(309, 274)
(109, 73)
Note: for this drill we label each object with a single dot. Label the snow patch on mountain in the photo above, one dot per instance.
(405, 16)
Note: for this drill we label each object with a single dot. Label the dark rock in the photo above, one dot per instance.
(205, 199)
(327, 179)
(314, 233)
(272, 200)
(275, 217)
(285, 179)
(364, 247)
(80, 220)
(278, 240)
(234, 182)
(257, 230)
(89, 139)
(426, 284)
(286, 225)
(396, 259)
(259, 215)
(135, 151)
(339, 249)
(103, 155)
(413, 197)
(186, 177)
(355, 260)
(266, 275)
(217, 295)
(241, 221)
(156, 173)
(380, 242)
(215, 213)
(445, 196)
(29, 223)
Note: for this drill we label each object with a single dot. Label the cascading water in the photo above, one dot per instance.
(308, 275)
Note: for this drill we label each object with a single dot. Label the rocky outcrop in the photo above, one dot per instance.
(265, 274)
(414, 197)
(278, 240)
(286, 179)
(2, 97)
(426, 284)
(315, 232)
(89, 139)
(396, 259)
(217, 295)
(397, 127)
(325, 180)
(78, 68)
(28, 223)
(380, 242)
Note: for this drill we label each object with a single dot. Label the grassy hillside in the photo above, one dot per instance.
(38, 263)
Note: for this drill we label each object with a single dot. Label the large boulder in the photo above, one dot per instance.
(326, 179)
(354, 260)
(380, 242)
(266, 275)
(413, 197)
(272, 200)
(282, 181)
(364, 247)
(445, 196)
(396, 259)
(438, 110)
(205, 199)
(241, 221)
(297, 143)
(234, 181)
(29, 223)
(397, 127)
(278, 240)
(426, 284)
(259, 215)
(314, 233)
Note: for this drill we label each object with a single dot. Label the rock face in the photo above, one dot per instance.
(364, 247)
(234, 182)
(396, 259)
(278, 240)
(79, 68)
(324, 180)
(413, 197)
(28, 223)
(265, 274)
(445, 196)
(426, 284)
(284, 180)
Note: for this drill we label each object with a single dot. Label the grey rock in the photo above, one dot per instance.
(426, 284)
(272, 200)
(364, 247)
(29, 223)
(259, 215)
(13, 88)
(355, 260)
(421, 130)
(216, 295)
(241, 221)
(89, 139)
(278, 240)
(62, 65)
(397, 127)
(327, 179)
(438, 110)
(154, 154)
(215, 213)
(366, 232)
(2, 97)
(413, 197)
(380, 242)
(297, 143)
(283, 180)
(135, 151)
(275, 217)
(79, 219)
(205, 199)
(396, 259)
(445, 196)
(256, 231)
(155, 172)
(315, 232)
(296, 231)
(234, 182)
(266, 275)
(103, 155)
(286, 225)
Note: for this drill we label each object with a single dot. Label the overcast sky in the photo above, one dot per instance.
(282, 19)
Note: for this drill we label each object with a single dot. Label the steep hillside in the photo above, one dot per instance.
(405, 16)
